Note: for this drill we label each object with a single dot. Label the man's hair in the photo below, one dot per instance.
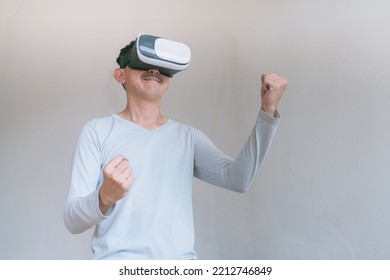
(124, 55)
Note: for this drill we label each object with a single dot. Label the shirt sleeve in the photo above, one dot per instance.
(214, 167)
(81, 210)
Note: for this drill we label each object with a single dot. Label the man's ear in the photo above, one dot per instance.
(119, 75)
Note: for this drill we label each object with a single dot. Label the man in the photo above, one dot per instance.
(132, 173)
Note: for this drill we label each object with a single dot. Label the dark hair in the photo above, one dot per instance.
(125, 55)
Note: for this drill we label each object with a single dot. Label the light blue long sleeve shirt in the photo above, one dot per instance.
(155, 219)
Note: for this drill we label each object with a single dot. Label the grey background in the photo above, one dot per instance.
(323, 192)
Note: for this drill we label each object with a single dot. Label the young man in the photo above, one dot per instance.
(132, 173)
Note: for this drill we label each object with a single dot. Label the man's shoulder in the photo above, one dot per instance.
(100, 121)
(183, 126)
(99, 126)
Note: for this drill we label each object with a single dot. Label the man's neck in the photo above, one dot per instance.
(144, 114)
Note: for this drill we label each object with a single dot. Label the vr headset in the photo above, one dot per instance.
(152, 52)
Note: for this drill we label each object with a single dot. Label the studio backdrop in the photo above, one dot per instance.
(323, 191)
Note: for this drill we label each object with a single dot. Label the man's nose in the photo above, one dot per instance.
(154, 71)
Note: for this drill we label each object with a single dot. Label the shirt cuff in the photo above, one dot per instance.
(270, 119)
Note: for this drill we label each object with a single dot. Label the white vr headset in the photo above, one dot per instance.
(152, 52)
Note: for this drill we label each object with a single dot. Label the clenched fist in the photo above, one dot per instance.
(272, 89)
(117, 178)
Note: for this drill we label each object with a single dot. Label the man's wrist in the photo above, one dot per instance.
(104, 206)
(269, 111)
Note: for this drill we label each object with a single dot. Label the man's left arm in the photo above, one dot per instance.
(214, 167)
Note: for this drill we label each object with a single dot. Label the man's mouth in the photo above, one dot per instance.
(151, 77)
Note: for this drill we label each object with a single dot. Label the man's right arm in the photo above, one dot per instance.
(88, 204)
(81, 210)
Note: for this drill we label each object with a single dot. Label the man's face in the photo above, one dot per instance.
(148, 84)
